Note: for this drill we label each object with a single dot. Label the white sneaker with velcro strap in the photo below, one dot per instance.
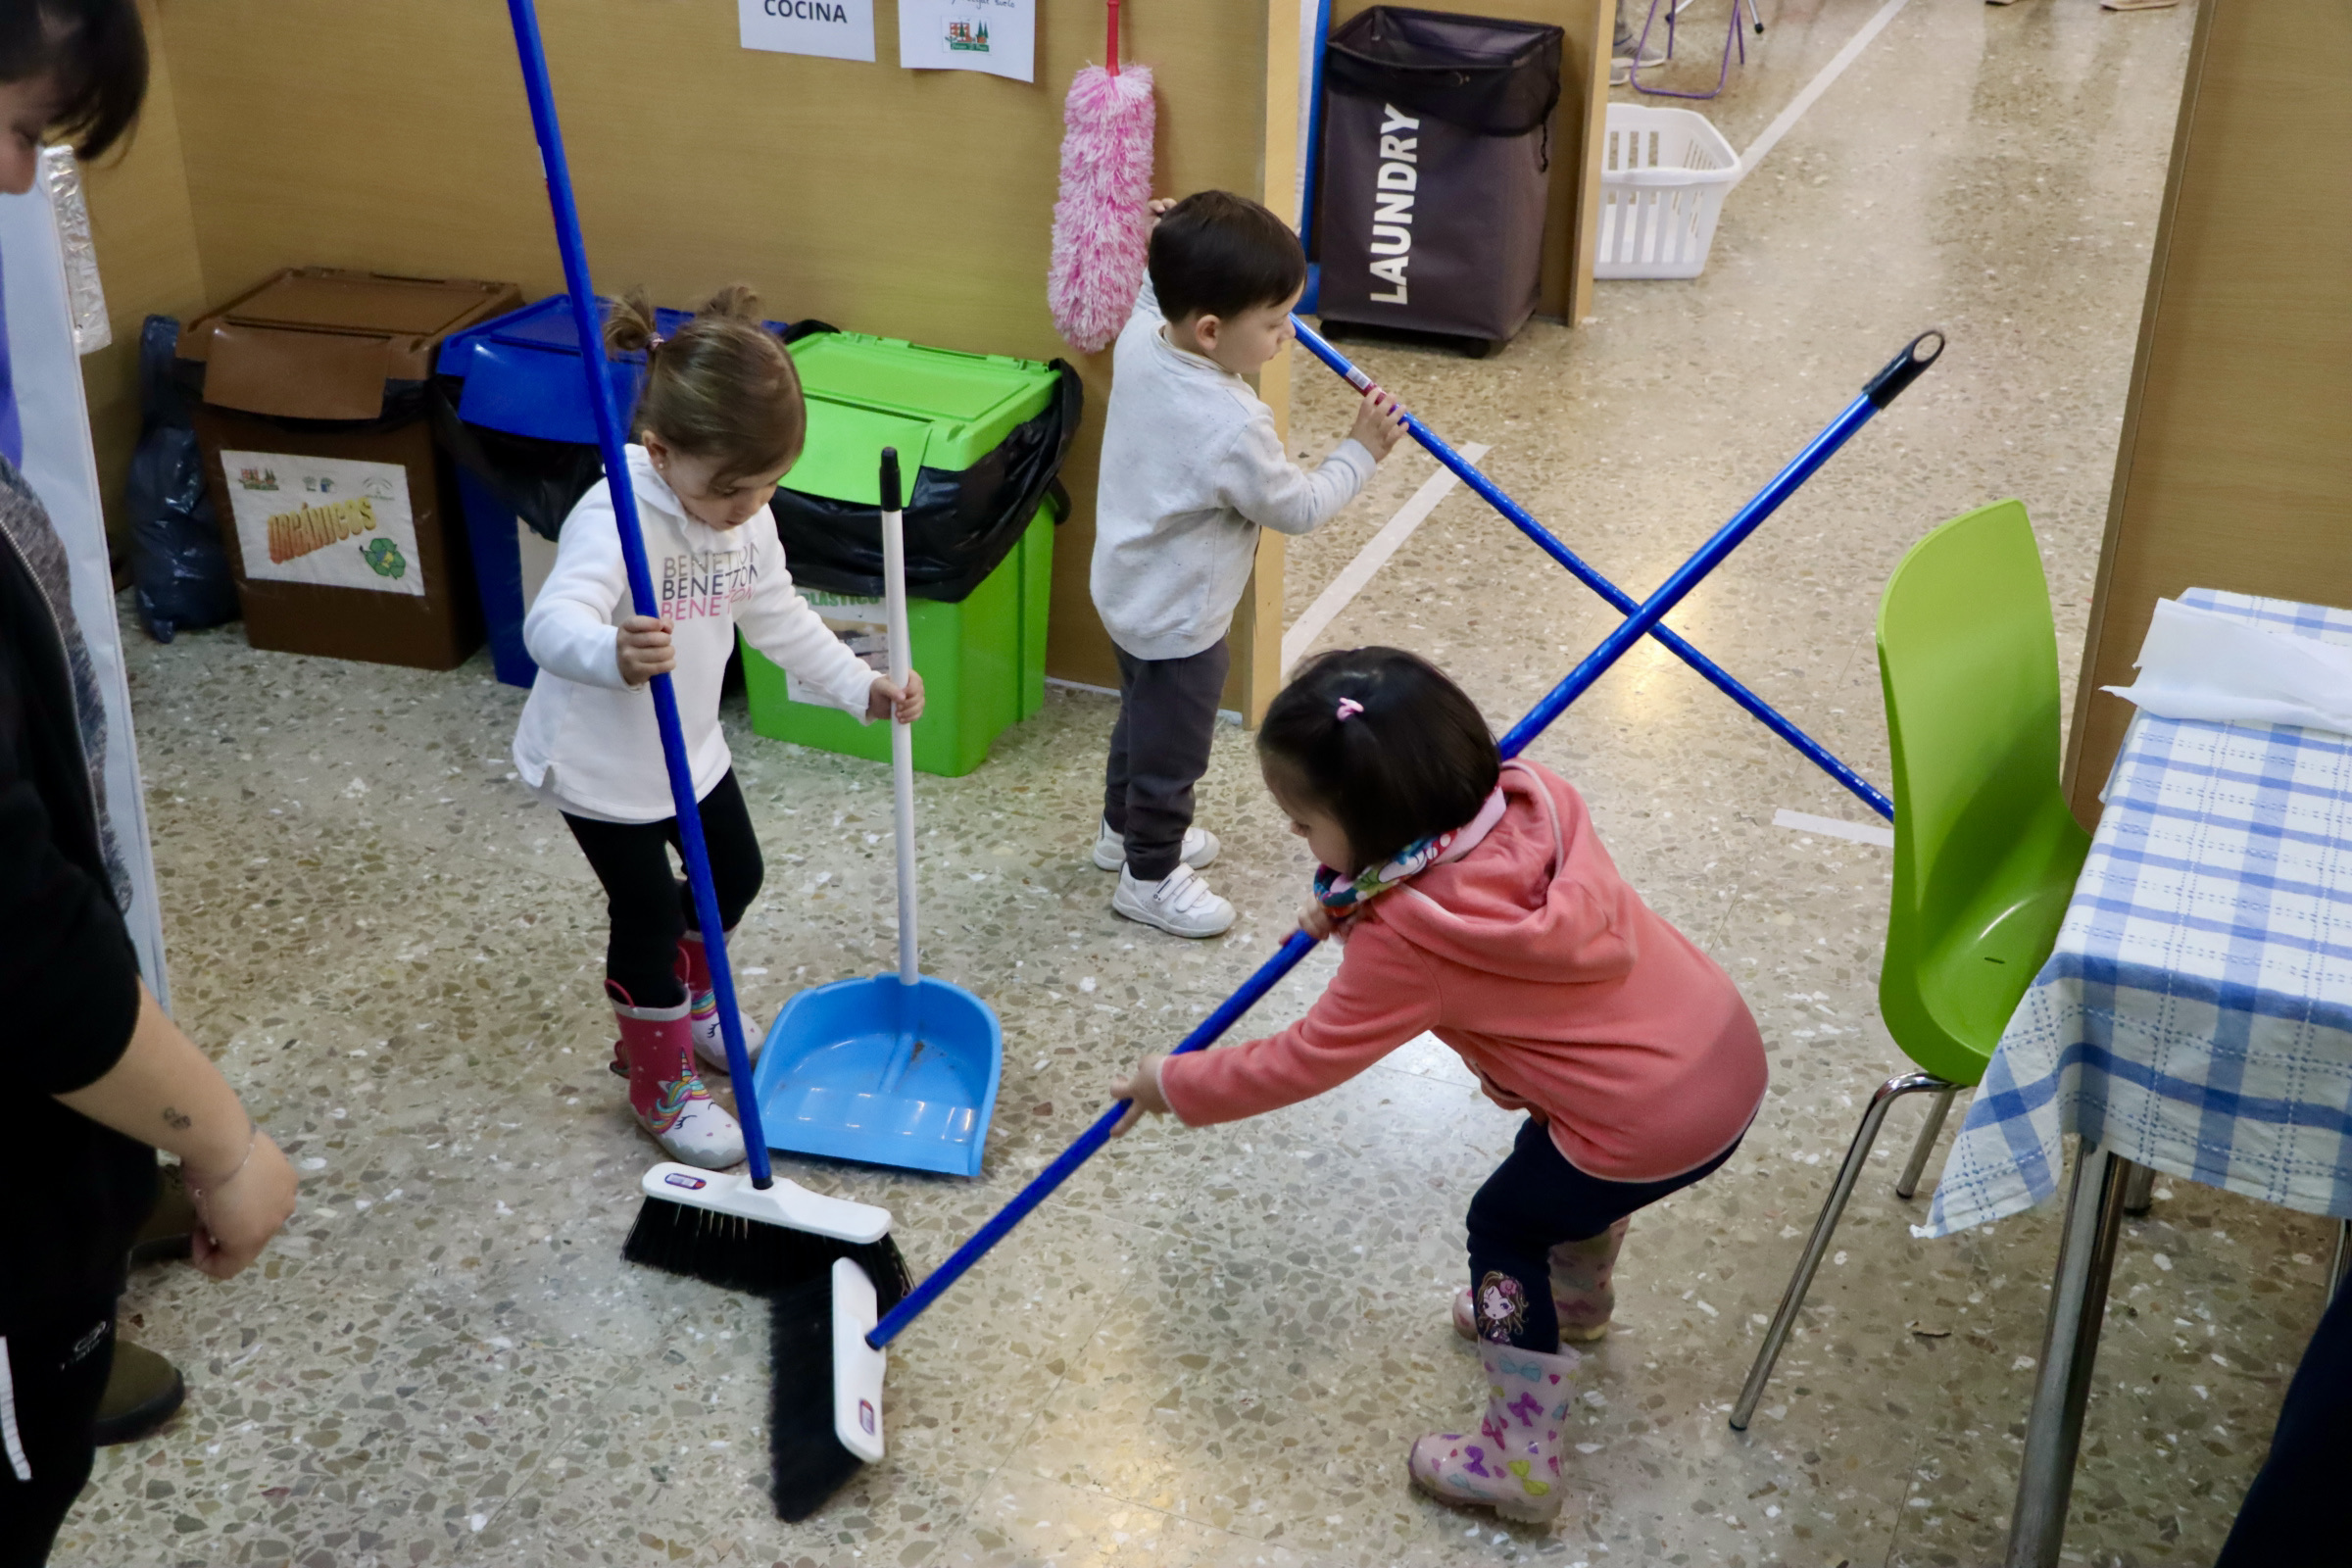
(1200, 847)
(1179, 903)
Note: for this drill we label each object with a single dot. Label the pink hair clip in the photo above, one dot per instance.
(1349, 708)
(653, 345)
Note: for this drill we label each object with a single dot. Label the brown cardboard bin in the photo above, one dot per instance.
(338, 513)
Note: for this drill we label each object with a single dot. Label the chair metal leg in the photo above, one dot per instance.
(2340, 1264)
(2140, 1190)
(1926, 1146)
(1809, 1262)
(2045, 1482)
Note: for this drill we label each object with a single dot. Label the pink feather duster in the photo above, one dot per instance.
(1102, 221)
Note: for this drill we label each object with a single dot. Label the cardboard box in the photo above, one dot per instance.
(336, 508)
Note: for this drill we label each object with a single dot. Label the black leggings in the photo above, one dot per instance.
(2292, 1513)
(650, 907)
(55, 1374)
(1533, 1202)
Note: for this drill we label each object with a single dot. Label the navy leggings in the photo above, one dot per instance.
(2294, 1512)
(1533, 1202)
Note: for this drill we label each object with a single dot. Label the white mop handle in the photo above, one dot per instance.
(902, 738)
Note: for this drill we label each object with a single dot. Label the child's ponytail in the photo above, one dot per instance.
(721, 387)
(1383, 742)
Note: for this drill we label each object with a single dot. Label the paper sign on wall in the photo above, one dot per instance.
(838, 30)
(334, 523)
(861, 625)
(998, 36)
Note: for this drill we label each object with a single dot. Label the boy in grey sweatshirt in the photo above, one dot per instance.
(1192, 468)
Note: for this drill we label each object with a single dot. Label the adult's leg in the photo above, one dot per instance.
(736, 869)
(2290, 1513)
(52, 1376)
(632, 861)
(1170, 712)
(1535, 1200)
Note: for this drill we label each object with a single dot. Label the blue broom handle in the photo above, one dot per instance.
(1300, 943)
(611, 438)
(1519, 518)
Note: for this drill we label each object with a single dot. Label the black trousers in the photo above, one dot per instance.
(1159, 751)
(649, 905)
(2294, 1512)
(52, 1376)
(1533, 1202)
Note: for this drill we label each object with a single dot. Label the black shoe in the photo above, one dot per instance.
(142, 1393)
(171, 1224)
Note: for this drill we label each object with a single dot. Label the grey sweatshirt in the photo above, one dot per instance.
(1192, 468)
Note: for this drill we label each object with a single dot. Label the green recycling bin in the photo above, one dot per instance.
(954, 418)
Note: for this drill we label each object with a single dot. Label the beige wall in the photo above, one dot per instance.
(2235, 466)
(395, 137)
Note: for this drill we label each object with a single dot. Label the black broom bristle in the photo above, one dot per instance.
(806, 1462)
(751, 1255)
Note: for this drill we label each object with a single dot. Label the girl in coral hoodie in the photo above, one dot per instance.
(1477, 904)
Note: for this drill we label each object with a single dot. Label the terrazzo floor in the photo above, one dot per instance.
(1212, 1347)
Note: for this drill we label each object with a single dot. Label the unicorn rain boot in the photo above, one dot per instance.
(1512, 1462)
(710, 1041)
(656, 1055)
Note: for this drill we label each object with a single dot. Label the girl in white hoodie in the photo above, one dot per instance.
(719, 422)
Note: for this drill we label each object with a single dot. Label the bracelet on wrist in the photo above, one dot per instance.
(198, 1191)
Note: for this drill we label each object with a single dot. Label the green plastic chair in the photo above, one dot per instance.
(1986, 849)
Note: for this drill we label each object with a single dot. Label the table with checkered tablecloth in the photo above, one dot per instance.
(2195, 1015)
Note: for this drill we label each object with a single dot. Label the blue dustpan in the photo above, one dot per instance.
(896, 1071)
(882, 1071)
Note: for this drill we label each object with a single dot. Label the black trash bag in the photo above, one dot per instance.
(1488, 76)
(959, 523)
(179, 570)
(539, 481)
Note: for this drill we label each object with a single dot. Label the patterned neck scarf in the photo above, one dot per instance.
(1343, 898)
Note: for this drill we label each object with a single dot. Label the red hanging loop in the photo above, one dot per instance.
(1110, 50)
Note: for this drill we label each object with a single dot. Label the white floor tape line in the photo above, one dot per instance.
(1374, 555)
(1830, 827)
(1820, 84)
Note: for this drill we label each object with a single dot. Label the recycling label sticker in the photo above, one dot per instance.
(334, 523)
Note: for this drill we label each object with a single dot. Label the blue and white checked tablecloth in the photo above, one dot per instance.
(2196, 1013)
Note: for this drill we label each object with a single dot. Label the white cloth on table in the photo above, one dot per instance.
(2195, 1015)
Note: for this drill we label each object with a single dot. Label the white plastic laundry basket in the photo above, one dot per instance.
(1663, 173)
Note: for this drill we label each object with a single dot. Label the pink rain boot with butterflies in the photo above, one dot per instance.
(1512, 1462)
(1583, 1288)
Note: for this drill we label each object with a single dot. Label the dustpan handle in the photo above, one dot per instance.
(611, 441)
(1578, 681)
(902, 736)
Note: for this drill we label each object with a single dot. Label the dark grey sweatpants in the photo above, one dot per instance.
(1159, 751)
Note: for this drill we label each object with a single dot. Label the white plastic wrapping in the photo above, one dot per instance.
(60, 175)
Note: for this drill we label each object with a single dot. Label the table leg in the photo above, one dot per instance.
(2139, 1192)
(2095, 1217)
(2340, 1264)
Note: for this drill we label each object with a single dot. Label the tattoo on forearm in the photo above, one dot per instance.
(177, 1122)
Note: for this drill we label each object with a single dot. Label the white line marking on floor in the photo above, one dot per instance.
(1830, 827)
(1374, 555)
(1820, 84)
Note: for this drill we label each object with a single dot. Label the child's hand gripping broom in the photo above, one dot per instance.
(829, 1336)
(752, 1232)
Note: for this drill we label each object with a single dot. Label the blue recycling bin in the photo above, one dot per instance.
(512, 410)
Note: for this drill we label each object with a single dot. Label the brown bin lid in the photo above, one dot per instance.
(320, 342)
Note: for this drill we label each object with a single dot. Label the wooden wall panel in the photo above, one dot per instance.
(2234, 470)
(913, 204)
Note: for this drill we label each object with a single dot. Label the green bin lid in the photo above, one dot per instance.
(937, 406)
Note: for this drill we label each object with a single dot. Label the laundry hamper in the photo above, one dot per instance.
(1663, 175)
